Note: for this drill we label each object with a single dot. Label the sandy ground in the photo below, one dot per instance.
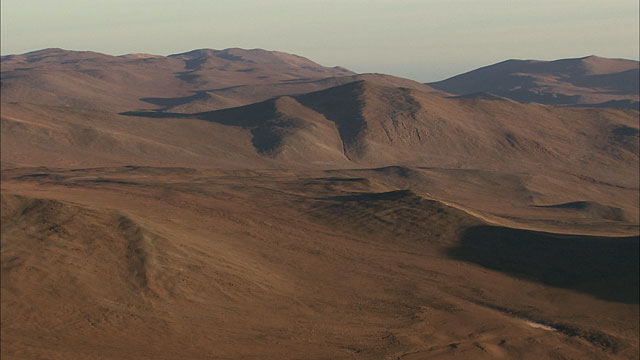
(165, 263)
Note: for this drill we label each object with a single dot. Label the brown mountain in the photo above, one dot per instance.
(372, 125)
(195, 81)
(588, 81)
(247, 94)
(98, 81)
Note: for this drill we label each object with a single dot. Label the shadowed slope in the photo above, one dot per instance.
(35, 135)
(283, 127)
(603, 267)
(381, 126)
(245, 94)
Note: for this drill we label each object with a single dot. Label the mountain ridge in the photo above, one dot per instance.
(104, 82)
(586, 81)
(380, 125)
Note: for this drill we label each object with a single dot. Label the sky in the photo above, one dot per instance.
(424, 40)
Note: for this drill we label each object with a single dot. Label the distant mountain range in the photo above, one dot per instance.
(588, 81)
(198, 80)
(262, 107)
(205, 79)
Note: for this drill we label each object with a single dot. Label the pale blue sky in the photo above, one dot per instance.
(424, 40)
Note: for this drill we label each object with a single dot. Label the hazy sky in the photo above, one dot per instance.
(424, 40)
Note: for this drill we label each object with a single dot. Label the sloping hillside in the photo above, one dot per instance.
(373, 125)
(140, 81)
(584, 81)
(159, 263)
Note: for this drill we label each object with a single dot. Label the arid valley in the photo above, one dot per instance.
(253, 204)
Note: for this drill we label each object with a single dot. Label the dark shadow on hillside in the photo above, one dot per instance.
(167, 103)
(605, 267)
(268, 127)
(342, 105)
